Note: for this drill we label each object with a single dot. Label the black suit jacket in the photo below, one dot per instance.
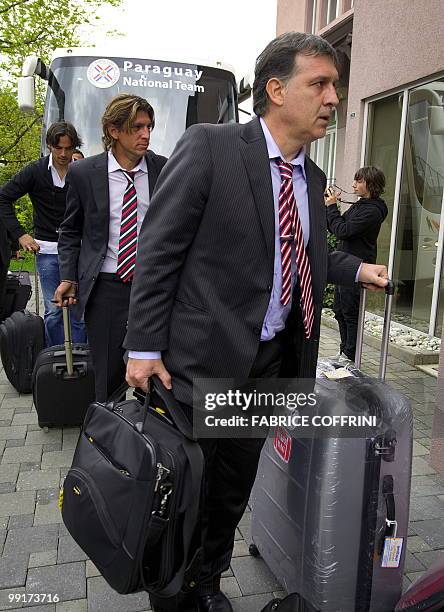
(5, 246)
(83, 238)
(206, 255)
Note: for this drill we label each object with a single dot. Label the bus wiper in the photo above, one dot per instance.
(59, 94)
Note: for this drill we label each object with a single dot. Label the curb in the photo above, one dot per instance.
(413, 358)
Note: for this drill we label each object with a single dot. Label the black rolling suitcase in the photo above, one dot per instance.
(22, 337)
(17, 293)
(330, 511)
(63, 381)
(131, 499)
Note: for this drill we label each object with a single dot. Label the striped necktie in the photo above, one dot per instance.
(290, 229)
(126, 257)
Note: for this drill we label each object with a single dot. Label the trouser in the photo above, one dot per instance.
(230, 470)
(346, 309)
(48, 269)
(106, 317)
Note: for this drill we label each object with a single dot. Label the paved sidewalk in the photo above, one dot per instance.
(39, 556)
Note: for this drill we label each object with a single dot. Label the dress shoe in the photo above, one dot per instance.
(214, 603)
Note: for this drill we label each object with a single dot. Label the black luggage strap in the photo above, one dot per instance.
(390, 520)
(156, 529)
(195, 458)
(175, 411)
(176, 414)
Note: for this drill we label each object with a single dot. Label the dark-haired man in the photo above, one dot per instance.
(108, 197)
(235, 236)
(44, 182)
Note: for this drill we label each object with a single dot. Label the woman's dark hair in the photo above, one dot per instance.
(374, 179)
(58, 130)
(277, 60)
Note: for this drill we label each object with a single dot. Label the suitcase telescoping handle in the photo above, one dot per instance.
(389, 292)
(68, 340)
(36, 286)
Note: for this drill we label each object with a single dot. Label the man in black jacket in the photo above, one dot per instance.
(357, 231)
(44, 182)
(108, 197)
(8, 247)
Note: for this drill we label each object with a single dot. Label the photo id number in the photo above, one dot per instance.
(33, 598)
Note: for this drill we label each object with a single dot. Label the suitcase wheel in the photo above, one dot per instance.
(45, 426)
(254, 551)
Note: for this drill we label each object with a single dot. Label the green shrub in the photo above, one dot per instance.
(330, 289)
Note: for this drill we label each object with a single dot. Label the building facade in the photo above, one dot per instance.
(391, 115)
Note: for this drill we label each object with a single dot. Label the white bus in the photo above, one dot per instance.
(81, 82)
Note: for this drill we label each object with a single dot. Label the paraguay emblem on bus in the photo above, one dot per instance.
(103, 73)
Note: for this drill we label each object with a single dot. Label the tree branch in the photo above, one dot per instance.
(5, 162)
(8, 44)
(6, 150)
(13, 4)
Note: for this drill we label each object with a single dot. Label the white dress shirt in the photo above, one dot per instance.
(117, 184)
(49, 247)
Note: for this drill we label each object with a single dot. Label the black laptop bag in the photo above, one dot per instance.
(131, 499)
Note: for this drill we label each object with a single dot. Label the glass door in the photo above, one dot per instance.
(421, 201)
(382, 151)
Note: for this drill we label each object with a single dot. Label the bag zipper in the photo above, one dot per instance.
(101, 450)
(168, 495)
(98, 504)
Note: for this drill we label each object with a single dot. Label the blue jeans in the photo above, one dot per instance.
(48, 269)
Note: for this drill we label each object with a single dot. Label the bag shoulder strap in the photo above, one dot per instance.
(196, 462)
(175, 411)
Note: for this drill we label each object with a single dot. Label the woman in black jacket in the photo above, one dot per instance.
(357, 232)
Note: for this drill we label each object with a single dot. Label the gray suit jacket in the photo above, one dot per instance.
(205, 261)
(83, 236)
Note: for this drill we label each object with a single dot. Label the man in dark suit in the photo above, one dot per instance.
(108, 196)
(232, 267)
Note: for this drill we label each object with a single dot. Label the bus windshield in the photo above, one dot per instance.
(181, 95)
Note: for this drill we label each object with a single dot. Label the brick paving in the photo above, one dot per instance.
(39, 556)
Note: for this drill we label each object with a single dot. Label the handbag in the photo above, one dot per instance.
(131, 499)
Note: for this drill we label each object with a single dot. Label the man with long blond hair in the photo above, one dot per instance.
(108, 196)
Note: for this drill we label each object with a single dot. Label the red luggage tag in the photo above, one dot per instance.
(282, 444)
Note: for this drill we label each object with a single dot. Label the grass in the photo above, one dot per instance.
(27, 263)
